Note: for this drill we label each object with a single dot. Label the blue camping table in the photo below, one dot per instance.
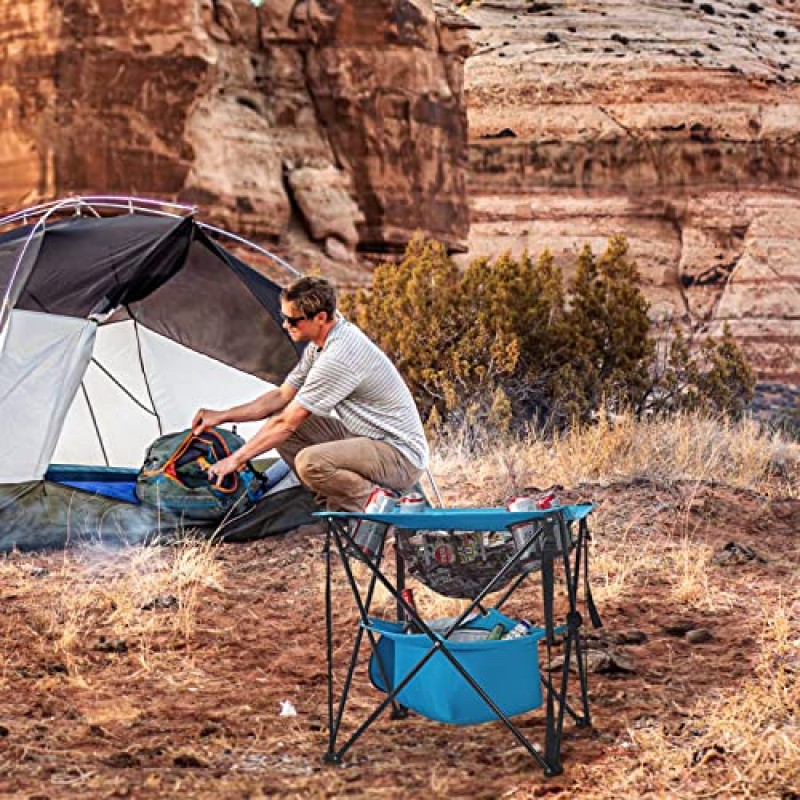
(455, 682)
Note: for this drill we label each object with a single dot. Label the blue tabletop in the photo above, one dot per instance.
(462, 519)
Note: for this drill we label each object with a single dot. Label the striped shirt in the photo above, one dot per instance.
(352, 379)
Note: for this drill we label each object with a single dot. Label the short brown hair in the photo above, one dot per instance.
(311, 295)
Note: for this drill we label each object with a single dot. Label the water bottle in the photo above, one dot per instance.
(498, 632)
(522, 628)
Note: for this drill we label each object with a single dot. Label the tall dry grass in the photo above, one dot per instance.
(741, 743)
(661, 450)
(129, 596)
(688, 451)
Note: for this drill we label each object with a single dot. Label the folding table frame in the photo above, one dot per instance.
(551, 536)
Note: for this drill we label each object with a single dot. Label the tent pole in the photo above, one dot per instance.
(144, 371)
(123, 389)
(94, 422)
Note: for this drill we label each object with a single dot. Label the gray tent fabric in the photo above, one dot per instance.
(207, 307)
(83, 264)
(166, 273)
(42, 515)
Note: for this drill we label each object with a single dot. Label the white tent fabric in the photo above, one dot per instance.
(42, 360)
(180, 381)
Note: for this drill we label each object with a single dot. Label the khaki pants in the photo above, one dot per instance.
(342, 469)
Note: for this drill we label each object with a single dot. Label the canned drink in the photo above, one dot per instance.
(412, 626)
(369, 534)
(521, 503)
(522, 533)
(468, 547)
(410, 503)
(547, 501)
(408, 595)
(444, 553)
(468, 635)
(522, 628)
(432, 541)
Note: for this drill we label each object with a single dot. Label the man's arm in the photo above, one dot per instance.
(277, 429)
(262, 407)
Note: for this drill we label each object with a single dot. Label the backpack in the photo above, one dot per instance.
(173, 476)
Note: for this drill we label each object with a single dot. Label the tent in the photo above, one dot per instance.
(119, 318)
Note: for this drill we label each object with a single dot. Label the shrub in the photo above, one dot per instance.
(717, 380)
(506, 342)
(610, 351)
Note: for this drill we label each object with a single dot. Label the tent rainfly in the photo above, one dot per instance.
(119, 317)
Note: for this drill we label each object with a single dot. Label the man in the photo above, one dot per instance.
(344, 419)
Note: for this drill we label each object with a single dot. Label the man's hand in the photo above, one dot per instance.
(216, 472)
(204, 419)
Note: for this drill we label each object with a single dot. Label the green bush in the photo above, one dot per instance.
(506, 341)
(717, 380)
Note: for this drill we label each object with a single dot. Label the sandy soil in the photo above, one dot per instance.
(159, 714)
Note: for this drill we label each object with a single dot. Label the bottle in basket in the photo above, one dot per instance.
(522, 628)
(408, 595)
(498, 632)
(368, 534)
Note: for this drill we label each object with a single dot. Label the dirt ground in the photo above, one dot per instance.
(155, 711)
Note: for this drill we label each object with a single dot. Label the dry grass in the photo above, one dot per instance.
(624, 565)
(116, 599)
(743, 743)
(663, 451)
(620, 564)
(138, 660)
(684, 452)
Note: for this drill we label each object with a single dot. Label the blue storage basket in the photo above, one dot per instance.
(506, 669)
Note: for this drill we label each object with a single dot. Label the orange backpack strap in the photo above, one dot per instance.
(168, 467)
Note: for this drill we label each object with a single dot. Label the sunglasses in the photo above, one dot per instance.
(293, 321)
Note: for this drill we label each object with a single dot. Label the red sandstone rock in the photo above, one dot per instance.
(228, 106)
(322, 127)
(677, 126)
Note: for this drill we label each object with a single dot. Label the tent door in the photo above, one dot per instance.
(42, 362)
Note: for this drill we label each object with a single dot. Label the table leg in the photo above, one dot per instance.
(330, 756)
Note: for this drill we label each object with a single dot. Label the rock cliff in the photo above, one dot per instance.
(331, 130)
(674, 122)
(319, 126)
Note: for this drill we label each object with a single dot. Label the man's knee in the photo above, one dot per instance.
(310, 466)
